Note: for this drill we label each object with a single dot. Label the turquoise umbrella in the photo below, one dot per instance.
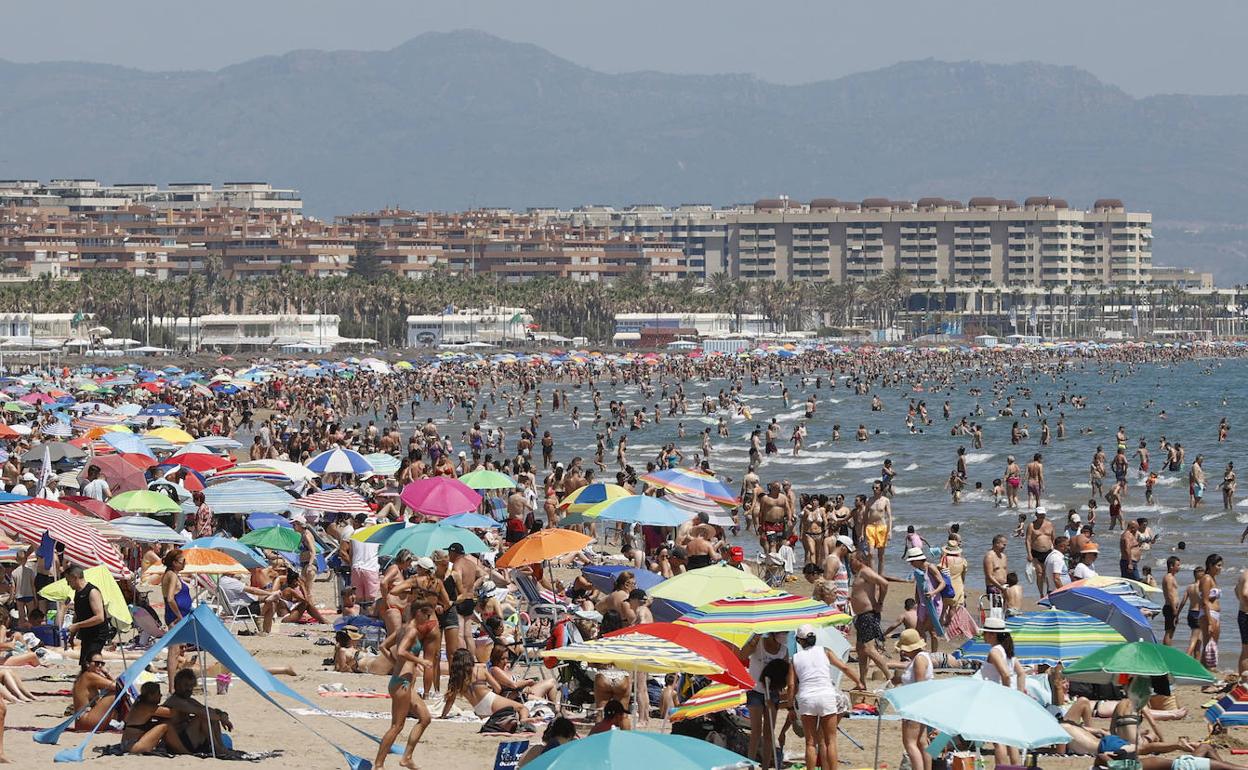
(640, 509)
(424, 539)
(630, 749)
(978, 710)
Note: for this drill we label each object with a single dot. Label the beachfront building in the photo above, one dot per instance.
(234, 332)
(486, 326)
(89, 195)
(59, 326)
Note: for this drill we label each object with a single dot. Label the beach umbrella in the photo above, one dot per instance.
(243, 554)
(734, 671)
(129, 443)
(143, 501)
(1125, 589)
(1113, 610)
(543, 545)
(1136, 659)
(250, 472)
(715, 513)
(979, 711)
(333, 501)
(377, 533)
(172, 435)
(486, 479)
(247, 496)
(57, 429)
(440, 496)
(89, 506)
(262, 520)
(639, 509)
(1105, 582)
(603, 576)
(638, 653)
(9, 497)
(620, 749)
(160, 409)
(144, 530)
(736, 618)
(1049, 637)
(57, 451)
(586, 497)
(692, 483)
(121, 475)
(383, 464)
(424, 539)
(273, 539)
(200, 561)
(83, 545)
(339, 460)
(702, 586)
(711, 699)
(471, 521)
(221, 443)
(1231, 710)
(293, 471)
(202, 463)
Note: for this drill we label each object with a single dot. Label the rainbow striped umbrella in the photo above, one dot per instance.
(692, 483)
(638, 652)
(709, 700)
(588, 496)
(1049, 637)
(736, 618)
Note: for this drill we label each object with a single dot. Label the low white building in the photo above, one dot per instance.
(62, 326)
(494, 325)
(265, 330)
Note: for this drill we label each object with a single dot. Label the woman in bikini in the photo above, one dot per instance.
(390, 608)
(471, 680)
(404, 649)
(146, 723)
(522, 690)
(350, 659)
(90, 692)
(1210, 611)
(177, 596)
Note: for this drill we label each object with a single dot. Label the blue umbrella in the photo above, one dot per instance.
(160, 410)
(262, 520)
(9, 497)
(603, 577)
(621, 749)
(128, 443)
(978, 710)
(243, 554)
(1114, 611)
(470, 521)
(339, 461)
(640, 509)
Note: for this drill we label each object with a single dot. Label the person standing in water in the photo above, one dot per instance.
(1035, 480)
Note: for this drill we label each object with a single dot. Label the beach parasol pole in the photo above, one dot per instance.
(879, 726)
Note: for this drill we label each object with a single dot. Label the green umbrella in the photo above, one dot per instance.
(144, 501)
(1137, 659)
(424, 539)
(273, 539)
(485, 479)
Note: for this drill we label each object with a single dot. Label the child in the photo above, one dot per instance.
(998, 493)
(1021, 529)
(1148, 488)
(1092, 512)
(668, 696)
(1115, 509)
(1013, 594)
(955, 485)
(1147, 572)
(788, 555)
(909, 619)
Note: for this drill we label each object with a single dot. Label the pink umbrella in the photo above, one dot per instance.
(440, 496)
(37, 398)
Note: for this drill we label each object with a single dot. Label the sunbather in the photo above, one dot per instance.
(146, 723)
(193, 727)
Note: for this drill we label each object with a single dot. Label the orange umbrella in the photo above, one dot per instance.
(543, 545)
(200, 561)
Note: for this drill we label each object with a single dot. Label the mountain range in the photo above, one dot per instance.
(461, 119)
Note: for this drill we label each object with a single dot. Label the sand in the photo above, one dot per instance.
(261, 727)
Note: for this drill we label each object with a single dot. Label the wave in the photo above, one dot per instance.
(866, 454)
(973, 458)
(911, 467)
(861, 463)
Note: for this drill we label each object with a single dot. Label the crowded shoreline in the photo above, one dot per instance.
(454, 415)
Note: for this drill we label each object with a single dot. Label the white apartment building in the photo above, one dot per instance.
(468, 325)
(261, 330)
(91, 195)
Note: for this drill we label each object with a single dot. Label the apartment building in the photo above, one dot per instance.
(83, 195)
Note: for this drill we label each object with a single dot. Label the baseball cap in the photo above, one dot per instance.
(456, 548)
(1041, 511)
(846, 541)
(425, 562)
(805, 631)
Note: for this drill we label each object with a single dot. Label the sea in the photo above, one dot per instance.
(1183, 402)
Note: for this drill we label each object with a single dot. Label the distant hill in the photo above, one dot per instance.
(452, 120)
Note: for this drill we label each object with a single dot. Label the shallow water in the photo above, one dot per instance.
(1191, 394)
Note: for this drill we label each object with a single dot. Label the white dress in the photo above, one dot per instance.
(816, 693)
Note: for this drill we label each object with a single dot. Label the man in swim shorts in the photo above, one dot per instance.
(878, 524)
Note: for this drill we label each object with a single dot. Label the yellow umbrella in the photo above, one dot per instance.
(638, 652)
(363, 533)
(200, 561)
(114, 603)
(172, 435)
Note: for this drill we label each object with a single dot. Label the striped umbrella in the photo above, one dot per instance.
(247, 496)
(383, 464)
(487, 479)
(736, 618)
(1127, 590)
(58, 429)
(695, 504)
(333, 501)
(692, 483)
(339, 460)
(581, 500)
(250, 472)
(83, 545)
(709, 700)
(1231, 710)
(215, 442)
(1049, 637)
(141, 529)
(638, 652)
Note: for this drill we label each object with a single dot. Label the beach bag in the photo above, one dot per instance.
(502, 721)
(947, 592)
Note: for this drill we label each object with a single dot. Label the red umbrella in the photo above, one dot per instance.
(83, 545)
(151, 387)
(89, 506)
(440, 496)
(197, 461)
(7, 432)
(714, 650)
(142, 462)
(122, 476)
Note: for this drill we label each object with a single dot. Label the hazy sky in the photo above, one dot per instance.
(1142, 46)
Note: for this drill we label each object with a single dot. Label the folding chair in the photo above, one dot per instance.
(539, 609)
(228, 613)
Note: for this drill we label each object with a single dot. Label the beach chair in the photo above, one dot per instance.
(229, 614)
(533, 641)
(146, 625)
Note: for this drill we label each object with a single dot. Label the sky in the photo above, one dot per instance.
(1144, 47)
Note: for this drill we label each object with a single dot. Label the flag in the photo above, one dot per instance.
(45, 472)
(77, 319)
(47, 550)
(1014, 316)
(517, 318)
(1033, 319)
(1135, 316)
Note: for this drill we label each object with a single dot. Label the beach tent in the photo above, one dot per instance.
(203, 629)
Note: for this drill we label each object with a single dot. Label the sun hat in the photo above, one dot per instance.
(952, 548)
(846, 541)
(910, 640)
(593, 616)
(352, 632)
(915, 554)
(298, 518)
(1075, 519)
(994, 625)
(1041, 510)
(1090, 548)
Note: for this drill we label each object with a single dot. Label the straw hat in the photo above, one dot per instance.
(352, 633)
(994, 625)
(1092, 548)
(909, 641)
(952, 548)
(915, 554)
